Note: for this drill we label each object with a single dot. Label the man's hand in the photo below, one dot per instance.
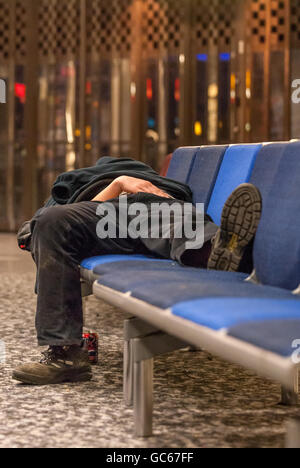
(129, 185)
(133, 185)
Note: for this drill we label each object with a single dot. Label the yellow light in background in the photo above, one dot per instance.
(88, 146)
(232, 86)
(212, 107)
(233, 81)
(198, 129)
(248, 79)
(133, 89)
(213, 91)
(88, 132)
(77, 132)
(248, 84)
(70, 160)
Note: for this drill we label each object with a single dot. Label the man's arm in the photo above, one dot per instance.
(129, 185)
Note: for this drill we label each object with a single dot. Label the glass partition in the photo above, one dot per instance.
(258, 109)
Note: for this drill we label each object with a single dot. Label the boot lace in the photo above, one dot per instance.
(52, 354)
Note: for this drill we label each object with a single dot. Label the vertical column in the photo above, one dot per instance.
(125, 107)
(162, 111)
(267, 73)
(259, 66)
(246, 104)
(186, 75)
(31, 111)
(213, 93)
(82, 82)
(115, 107)
(287, 73)
(137, 128)
(238, 116)
(10, 215)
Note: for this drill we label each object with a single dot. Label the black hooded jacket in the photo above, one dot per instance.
(85, 184)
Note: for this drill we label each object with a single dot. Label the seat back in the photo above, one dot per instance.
(236, 169)
(277, 245)
(181, 164)
(204, 172)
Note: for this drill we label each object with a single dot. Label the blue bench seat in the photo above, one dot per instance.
(236, 320)
(254, 325)
(277, 336)
(166, 287)
(225, 312)
(204, 170)
(213, 299)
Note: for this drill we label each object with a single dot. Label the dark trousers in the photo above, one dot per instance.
(65, 235)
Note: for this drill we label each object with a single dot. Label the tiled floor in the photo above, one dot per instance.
(200, 401)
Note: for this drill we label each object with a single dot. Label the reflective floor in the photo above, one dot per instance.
(12, 259)
(200, 401)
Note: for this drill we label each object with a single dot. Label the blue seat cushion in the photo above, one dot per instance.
(225, 312)
(236, 169)
(277, 244)
(277, 336)
(181, 164)
(204, 172)
(165, 288)
(93, 262)
(138, 265)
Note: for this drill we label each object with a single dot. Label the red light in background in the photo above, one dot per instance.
(149, 89)
(177, 90)
(88, 87)
(20, 92)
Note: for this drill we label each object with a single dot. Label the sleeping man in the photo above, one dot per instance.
(70, 228)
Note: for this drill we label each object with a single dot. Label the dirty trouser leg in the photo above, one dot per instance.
(62, 237)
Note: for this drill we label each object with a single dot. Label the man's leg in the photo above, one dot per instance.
(62, 237)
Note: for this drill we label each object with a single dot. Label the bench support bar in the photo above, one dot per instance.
(144, 349)
(291, 397)
(133, 328)
(293, 434)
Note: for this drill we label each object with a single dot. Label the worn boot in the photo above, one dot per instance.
(59, 365)
(240, 219)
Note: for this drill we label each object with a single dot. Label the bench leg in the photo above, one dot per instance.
(86, 289)
(293, 434)
(133, 328)
(144, 349)
(128, 373)
(143, 397)
(291, 397)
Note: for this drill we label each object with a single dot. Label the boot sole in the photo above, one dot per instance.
(240, 219)
(83, 375)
